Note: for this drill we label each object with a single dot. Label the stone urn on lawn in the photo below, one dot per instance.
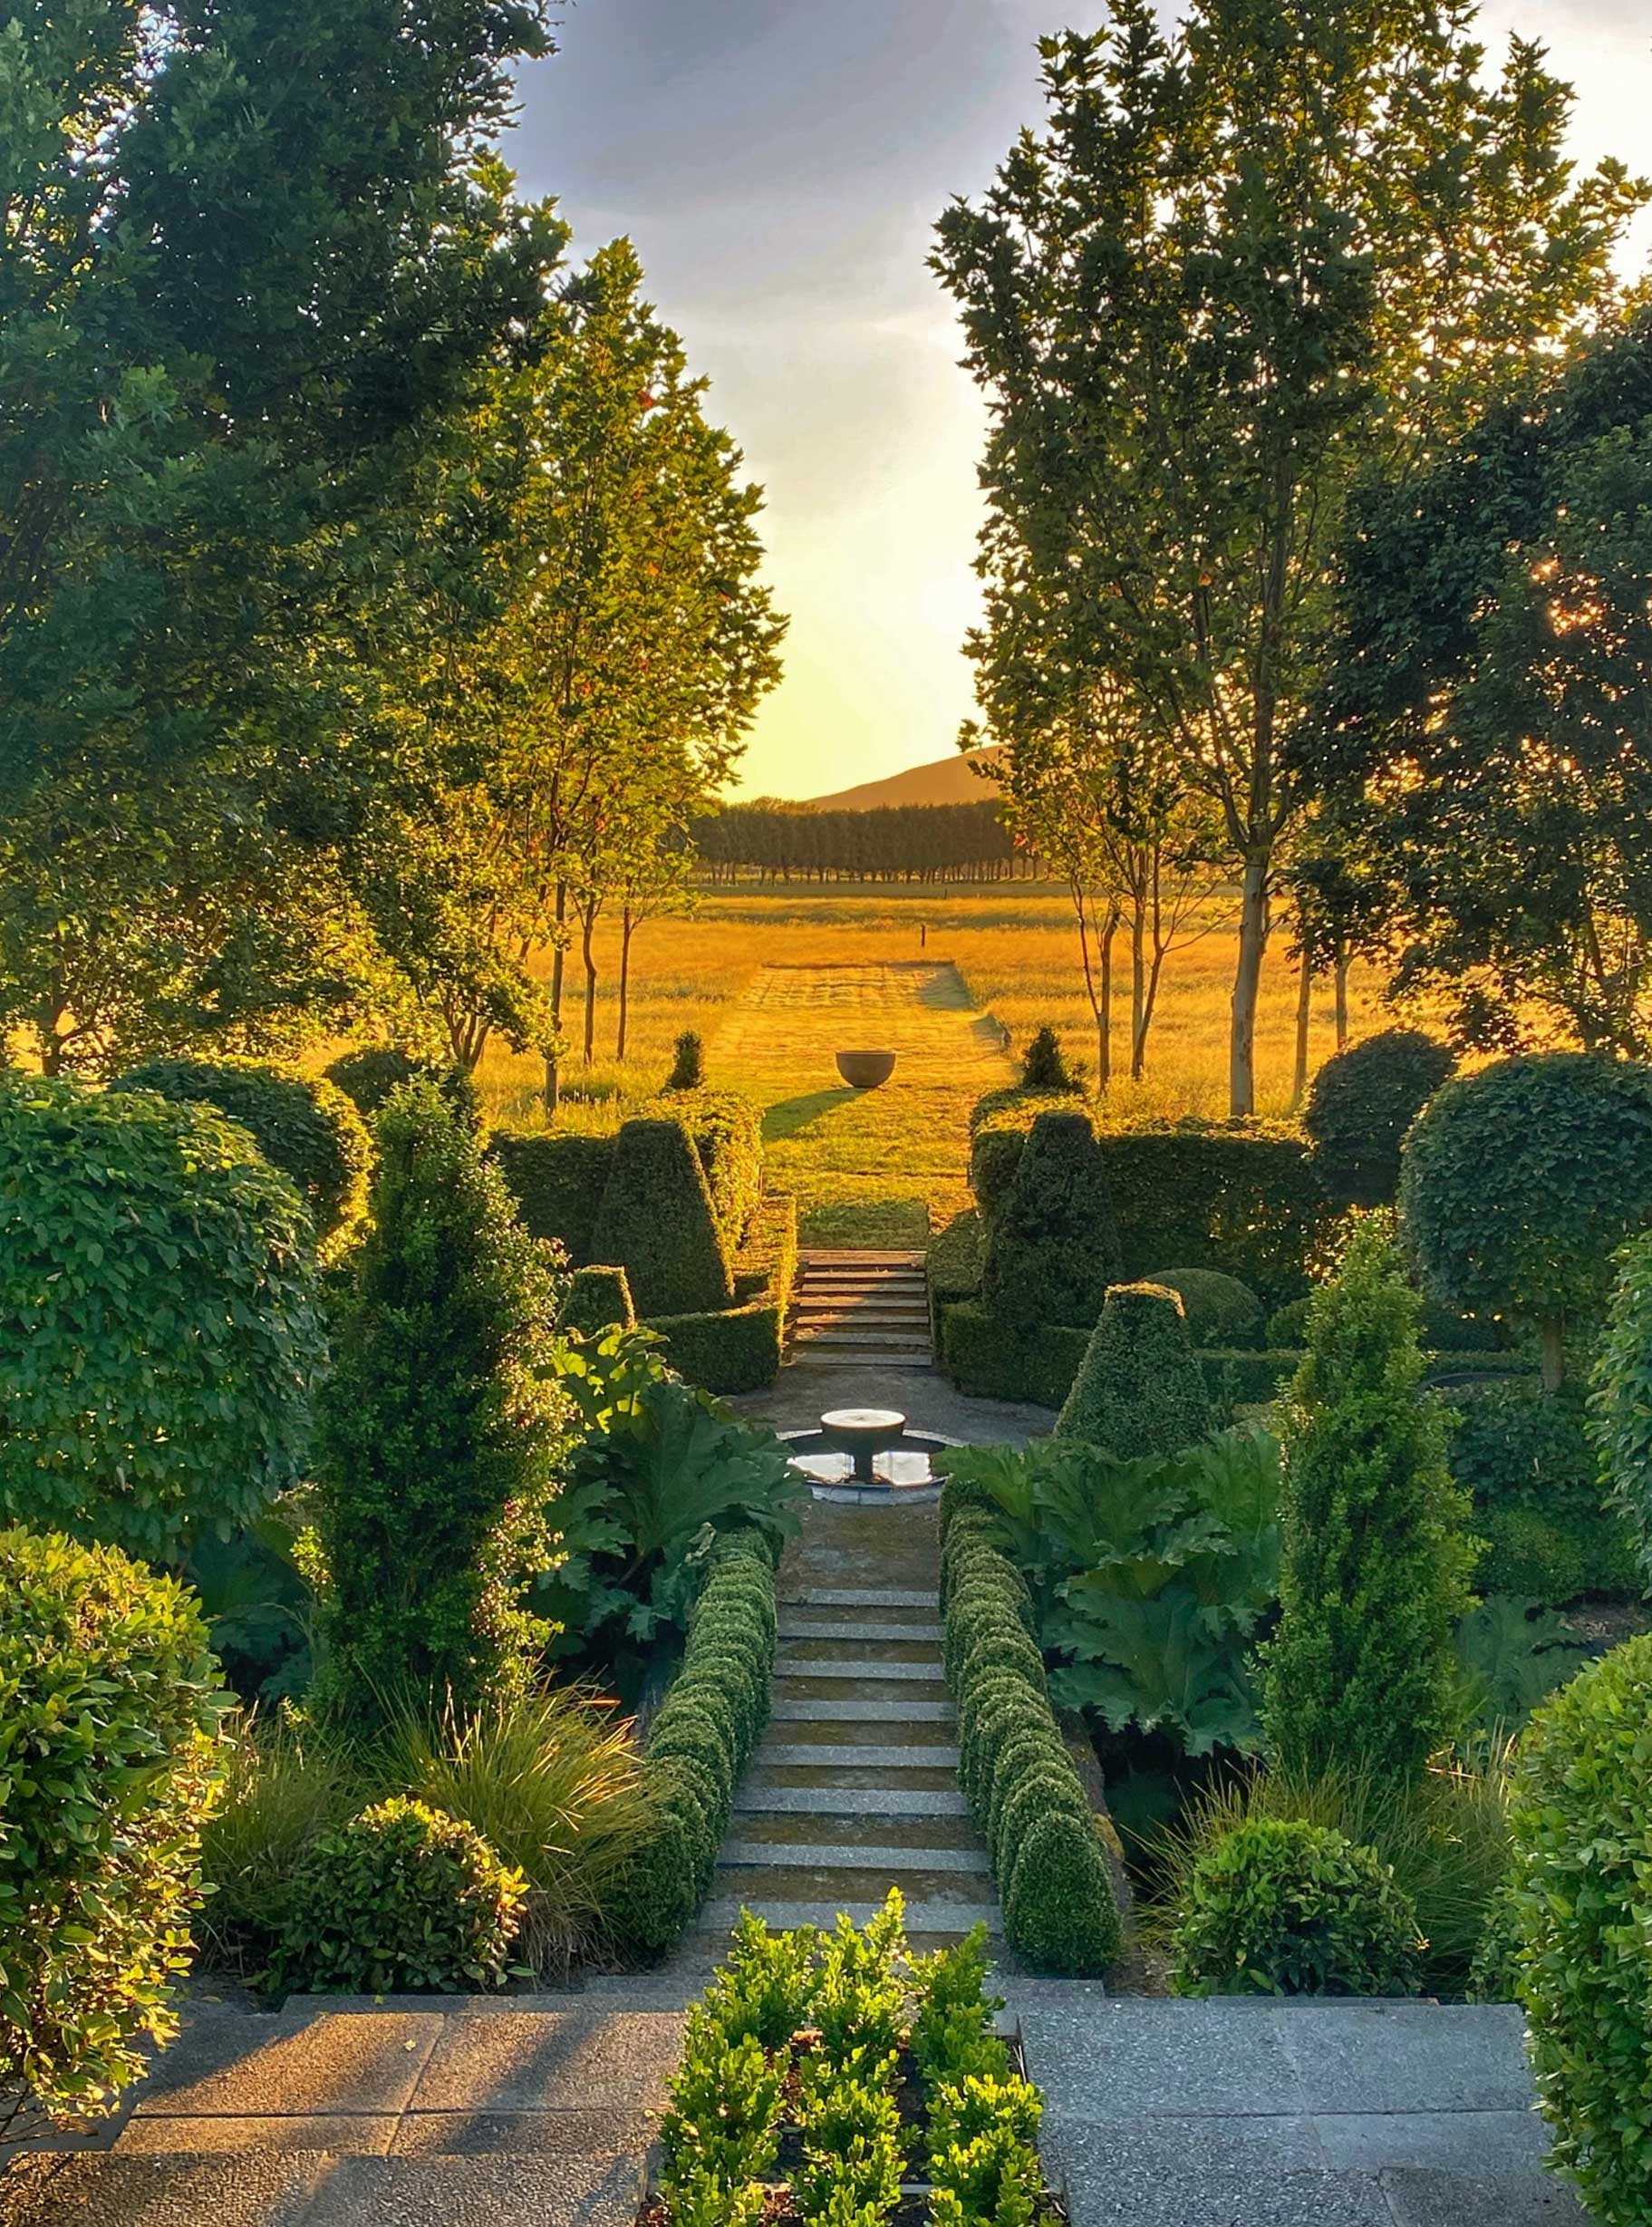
(864, 1070)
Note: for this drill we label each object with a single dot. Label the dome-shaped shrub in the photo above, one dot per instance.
(370, 1073)
(302, 1124)
(1275, 1907)
(1139, 1389)
(1362, 1103)
(401, 1898)
(1221, 1311)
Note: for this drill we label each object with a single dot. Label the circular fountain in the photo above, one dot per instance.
(867, 1454)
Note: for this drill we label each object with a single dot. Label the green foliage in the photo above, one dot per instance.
(302, 1124)
(1580, 1817)
(1377, 1557)
(987, 1360)
(285, 1785)
(1052, 1249)
(1044, 1064)
(657, 1220)
(558, 1183)
(1278, 1907)
(983, 2156)
(109, 1764)
(1514, 1653)
(733, 1349)
(726, 1134)
(368, 1075)
(952, 2036)
(1520, 1181)
(765, 1265)
(1525, 1457)
(598, 1299)
(440, 1431)
(687, 1063)
(1362, 1102)
(1000, 1124)
(1139, 1389)
(723, 2122)
(1621, 1414)
(1239, 1197)
(1219, 1311)
(767, 1985)
(160, 1334)
(401, 1898)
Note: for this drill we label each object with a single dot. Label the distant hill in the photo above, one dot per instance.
(950, 780)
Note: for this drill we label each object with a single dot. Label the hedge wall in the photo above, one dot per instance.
(738, 1348)
(952, 1268)
(557, 1183)
(698, 1744)
(1054, 1878)
(726, 1134)
(658, 1222)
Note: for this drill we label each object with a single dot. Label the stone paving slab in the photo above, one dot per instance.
(1423, 2199)
(884, 1673)
(858, 1596)
(857, 1628)
(304, 2064)
(48, 2191)
(1230, 2199)
(1444, 2140)
(807, 1709)
(609, 2139)
(922, 1756)
(341, 2134)
(1126, 2059)
(1408, 2057)
(791, 1855)
(932, 1914)
(562, 2061)
(475, 2192)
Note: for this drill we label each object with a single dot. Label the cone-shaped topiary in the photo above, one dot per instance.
(1053, 1248)
(657, 1222)
(1139, 1388)
(687, 1063)
(1362, 1672)
(597, 1299)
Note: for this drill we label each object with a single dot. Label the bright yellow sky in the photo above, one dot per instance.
(778, 164)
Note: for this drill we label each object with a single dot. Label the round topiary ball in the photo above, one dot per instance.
(302, 1124)
(402, 1899)
(1362, 1103)
(1278, 1907)
(1221, 1311)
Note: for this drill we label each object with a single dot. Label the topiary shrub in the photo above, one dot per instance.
(1139, 1389)
(1581, 1818)
(440, 1428)
(1059, 1909)
(1221, 1311)
(1518, 1184)
(558, 1183)
(160, 1331)
(1376, 1555)
(726, 1134)
(1052, 1248)
(597, 1299)
(658, 1222)
(368, 1075)
(1287, 1325)
(109, 1764)
(402, 1899)
(1275, 1907)
(302, 1124)
(687, 1063)
(1622, 1403)
(1243, 1197)
(1525, 1457)
(1044, 1065)
(1362, 1103)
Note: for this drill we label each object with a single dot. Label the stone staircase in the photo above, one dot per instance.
(862, 1309)
(855, 1787)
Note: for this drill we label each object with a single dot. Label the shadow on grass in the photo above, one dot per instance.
(792, 1115)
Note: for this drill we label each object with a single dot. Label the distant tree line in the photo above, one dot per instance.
(779, 842)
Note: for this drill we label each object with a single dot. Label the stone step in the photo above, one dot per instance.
(884, 1341)
(859, 1256)
(828, 1857)
(909, 1363)
(872, 1315)
(930, 1915)
(923, 1756)
(811, 1709)
(855, 1628)
(922, 1673)
(858, 1596)
(847, 1802)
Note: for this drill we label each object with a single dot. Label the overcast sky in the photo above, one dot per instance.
(778, 164)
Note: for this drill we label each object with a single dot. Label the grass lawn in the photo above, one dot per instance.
(777, 985)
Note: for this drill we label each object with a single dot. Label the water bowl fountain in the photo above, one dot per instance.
(867, 1454)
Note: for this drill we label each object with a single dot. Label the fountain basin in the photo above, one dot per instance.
(868, 1455)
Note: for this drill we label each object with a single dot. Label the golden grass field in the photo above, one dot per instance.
(883, 1167)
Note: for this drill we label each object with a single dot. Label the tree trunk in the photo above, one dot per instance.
(627, 929)
(553, 1058)
(1305, 1003)
(1342, 1001)
(1104, 1019)
(1138, 984)
(1247, 986)
(587, 929)
(1554, 1352)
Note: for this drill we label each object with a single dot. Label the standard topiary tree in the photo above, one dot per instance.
(1221, 1311)
(1139, 1389)
(1377, 1556)
(441, 1429)
(658, 1222)
(110, 1753)
(1361, 1104)
(1520, 1183)
(1044, 1063)
(1052, 1250)
(302, 1124)
(160, 1331)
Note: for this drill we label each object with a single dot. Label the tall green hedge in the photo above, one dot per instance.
(1239, 1197)
(558, 1183)
(1052, 1247)
(658, 1222)
(1139, 1389)
(302, 1124)
(726, 1134)
(109, 1762)
(597, 1298)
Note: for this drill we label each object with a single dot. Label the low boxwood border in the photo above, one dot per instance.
(698, 1743)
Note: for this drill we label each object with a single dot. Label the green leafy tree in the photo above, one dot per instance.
(1377, 1557)
(1247, 260)
(441, 1429)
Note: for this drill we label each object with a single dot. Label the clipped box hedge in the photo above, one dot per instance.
(952, 1268)
(1054, 1876)
(725, 1131)
(698, 1744)
(738, 1348)
(557, 1183)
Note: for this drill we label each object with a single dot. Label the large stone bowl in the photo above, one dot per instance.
(864, 1070)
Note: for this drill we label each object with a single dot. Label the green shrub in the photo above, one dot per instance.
(558, 1185)
(303, 1125)
(1139, 1389)
(1060, 1910)
(1044, 1064)
(109, 1764)
(1360, 1106)
(1234, 1379)
(952, 1267)
(1282, 1908)
(1581, 1818)
(990, 1361)
(285, 1786)
(441, 1430)
(1622, 1403)
(1287, 1325)
(1377, 1557)
(597, 1299)
(1052, 1249)
(687, 1063)
(1220, 1310)
(1520, 1182)
(1000, 1124)
(399, 1900)
(1525, 1457)
(657, 1220)
(368, 1075)
(1237, 1196)
(160, 1331)
(726, 1134)
(733, 1349)
(765, 1265)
